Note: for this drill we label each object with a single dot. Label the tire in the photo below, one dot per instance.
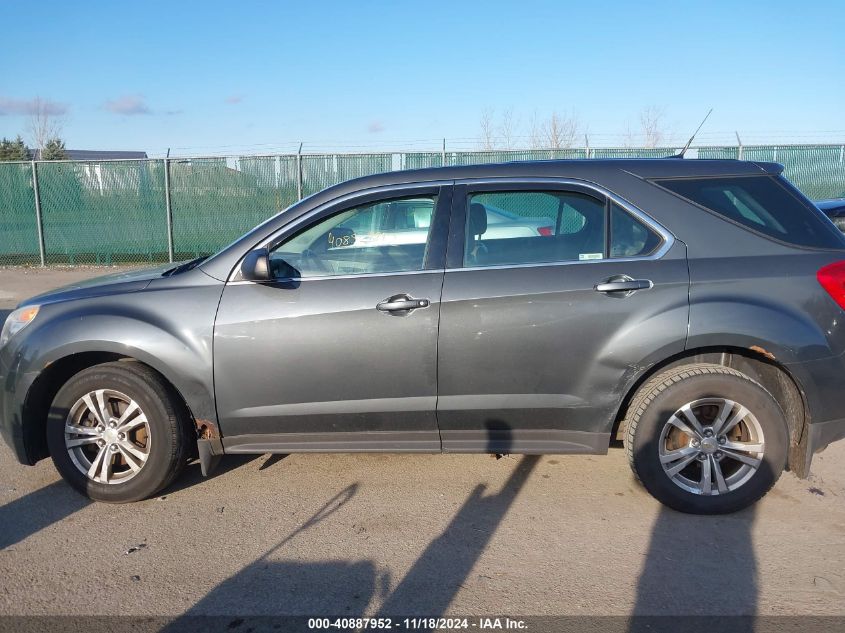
(659, 451)
(131, 460)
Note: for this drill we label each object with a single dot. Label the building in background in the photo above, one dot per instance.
(93, 154)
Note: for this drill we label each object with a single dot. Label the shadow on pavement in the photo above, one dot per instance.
(37, 510)
(700, 575)
(439, 573)
(267, 587)
(351, 587)
(192, 475)
(698, 566)
(272, 460)
(41, 508)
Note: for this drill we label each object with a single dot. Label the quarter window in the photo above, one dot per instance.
(382, 237)
(628, 236)
(524, 227)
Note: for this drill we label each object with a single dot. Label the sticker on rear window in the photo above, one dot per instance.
(583, 256)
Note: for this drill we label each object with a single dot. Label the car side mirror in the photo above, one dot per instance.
(256, 265)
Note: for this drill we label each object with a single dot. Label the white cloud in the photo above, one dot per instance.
(9, 106)
(128, 105)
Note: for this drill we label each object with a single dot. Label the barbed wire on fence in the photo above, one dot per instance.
(165, 209)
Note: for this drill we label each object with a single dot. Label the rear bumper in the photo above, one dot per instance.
(822, 383)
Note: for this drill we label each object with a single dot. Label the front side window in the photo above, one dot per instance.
(760, 203)
(526, 227)
(382, 237)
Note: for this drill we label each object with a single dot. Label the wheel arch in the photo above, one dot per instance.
(39, 398)
(758, 365)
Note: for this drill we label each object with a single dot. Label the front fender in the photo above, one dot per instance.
(168, 328)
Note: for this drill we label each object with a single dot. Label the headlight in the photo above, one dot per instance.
(17, 321)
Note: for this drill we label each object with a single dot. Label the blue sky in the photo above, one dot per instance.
(223, 77)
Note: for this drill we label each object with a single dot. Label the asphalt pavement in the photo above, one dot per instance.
(411, 534)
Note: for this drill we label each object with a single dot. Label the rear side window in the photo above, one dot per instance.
(527, 227)
(760, 203)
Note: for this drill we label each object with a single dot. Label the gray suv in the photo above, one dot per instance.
(690, 309)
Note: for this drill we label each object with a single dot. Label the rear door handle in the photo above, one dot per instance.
(402, 304)
(623, 283)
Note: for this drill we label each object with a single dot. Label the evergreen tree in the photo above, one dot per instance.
(54, 150)
(13, 150)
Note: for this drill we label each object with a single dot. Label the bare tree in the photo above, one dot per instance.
(509, 128)
(488, 132)
(651, 125)
(628, 136)
(44, 123)
(535, 135)
(560, 131)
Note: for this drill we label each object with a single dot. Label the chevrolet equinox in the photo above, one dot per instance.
(690, 309)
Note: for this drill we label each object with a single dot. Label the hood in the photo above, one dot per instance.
(126, 281)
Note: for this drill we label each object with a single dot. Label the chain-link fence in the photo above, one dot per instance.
(135, 211)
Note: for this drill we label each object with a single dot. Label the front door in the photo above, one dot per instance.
(339, 351)
(554, 297)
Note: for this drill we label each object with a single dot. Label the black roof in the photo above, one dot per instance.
(585, 169)
(643, 167)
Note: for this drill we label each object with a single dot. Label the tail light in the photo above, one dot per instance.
(832, 279)
(546, 230)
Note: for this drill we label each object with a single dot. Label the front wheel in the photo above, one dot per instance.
(706, 439)
(114, 433)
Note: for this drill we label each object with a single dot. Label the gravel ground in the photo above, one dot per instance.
(428, 535)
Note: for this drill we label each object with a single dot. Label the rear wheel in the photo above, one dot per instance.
(114, 433)
(706, 439)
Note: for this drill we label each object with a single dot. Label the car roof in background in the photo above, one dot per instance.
(834, 204)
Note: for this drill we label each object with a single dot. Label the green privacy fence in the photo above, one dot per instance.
(136, 211)
(817, 170)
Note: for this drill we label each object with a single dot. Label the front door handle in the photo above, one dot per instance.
(623, 283)
(402, 304)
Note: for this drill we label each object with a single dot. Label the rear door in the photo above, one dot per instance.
(545, 321)
(339, 351)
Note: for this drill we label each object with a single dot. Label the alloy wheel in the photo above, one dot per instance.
(711, 446)
(107, 436)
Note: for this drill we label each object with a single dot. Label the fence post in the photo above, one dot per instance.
(299, 173)
(739, 146)
(169, 209)
(443, 154)
(38, 218)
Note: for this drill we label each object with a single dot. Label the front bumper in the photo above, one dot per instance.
(13, 389)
